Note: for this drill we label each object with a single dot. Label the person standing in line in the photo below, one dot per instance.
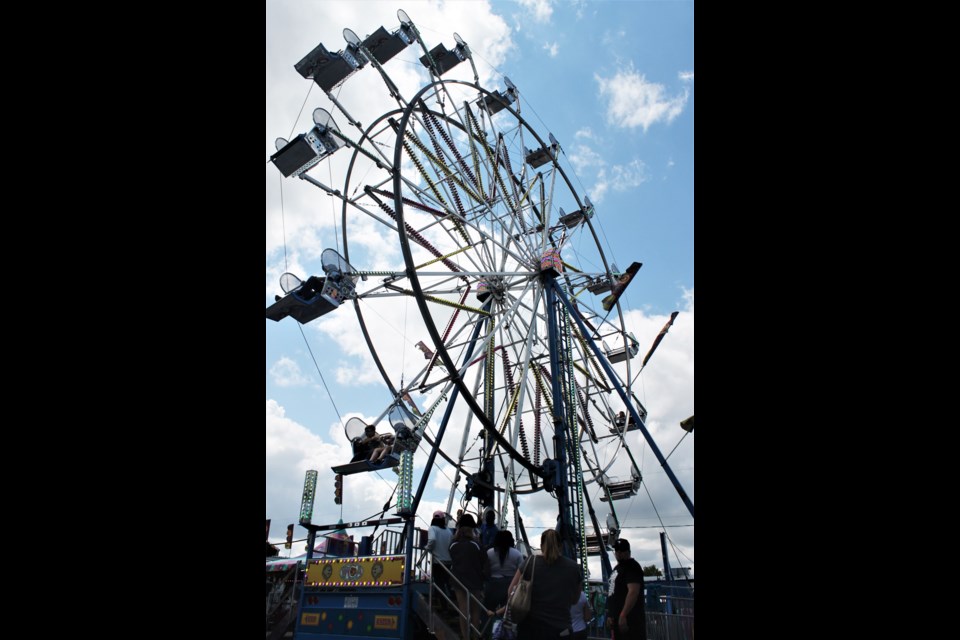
(556, 587)
(438, 543)
(504, 561)
(625, 613)
(489, 530)
(471, 568)
(580, 613)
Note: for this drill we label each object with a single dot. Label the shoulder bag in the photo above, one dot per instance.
(519, 605)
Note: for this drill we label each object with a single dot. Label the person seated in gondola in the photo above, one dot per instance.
(364, 446)
(384, 446)
(311, 288)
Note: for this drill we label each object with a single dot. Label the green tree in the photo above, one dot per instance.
(652, 570)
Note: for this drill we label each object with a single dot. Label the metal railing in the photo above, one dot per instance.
(673, 622)
(452, 582)
(660, 626)
(669, 626)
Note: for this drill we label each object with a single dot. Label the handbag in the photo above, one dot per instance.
(504, 629)
(519, 605)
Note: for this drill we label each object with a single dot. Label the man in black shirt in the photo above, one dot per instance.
(625, 604)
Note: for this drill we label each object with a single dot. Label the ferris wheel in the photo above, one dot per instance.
(454, 202)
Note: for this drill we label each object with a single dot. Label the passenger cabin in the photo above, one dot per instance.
(541, 156)
(401, 436)
(360, 462)
(599, 285)
(621, 490)
(593, 543)
(497, 101)
(303, 152)
(627, 352)
(361, 466)
(623, 423)
(310, 299)
(444, 59)
(384, 45)
(570, 220)
(330, 69)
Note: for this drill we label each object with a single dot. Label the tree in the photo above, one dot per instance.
(652, 570)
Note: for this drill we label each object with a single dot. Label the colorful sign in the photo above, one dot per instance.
(385, 622)
(377, 571)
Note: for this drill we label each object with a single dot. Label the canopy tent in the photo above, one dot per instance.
(319, 551)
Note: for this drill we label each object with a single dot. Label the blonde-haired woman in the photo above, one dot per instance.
(556, 587)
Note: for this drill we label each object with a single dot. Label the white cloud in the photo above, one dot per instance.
(586, 133)
(670, 162)
(632, 101)
(686, 76)
(583, 157)
(286, 373)
(552, 49)
(541, 9)
(620, 177)
(611, 38)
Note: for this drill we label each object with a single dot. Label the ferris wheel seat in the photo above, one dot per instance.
(540, 157)
(384, 45)
(593, 543)
(624, 427)
(300, 310)
(443, 58)
(620, 355)
(363, 466)
(621, 490)
(496, 101)
(304, 152)
(329, 69)
(570, 220)
(626, 352)
(600, 285)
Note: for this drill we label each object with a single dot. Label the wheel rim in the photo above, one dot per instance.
(482, 221)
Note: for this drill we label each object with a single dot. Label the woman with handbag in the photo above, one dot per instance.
(552, 584)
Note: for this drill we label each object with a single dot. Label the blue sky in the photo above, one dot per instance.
(614, 83)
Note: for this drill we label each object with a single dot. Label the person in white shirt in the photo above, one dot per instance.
(580, 613)
(438, 543)
(504, 562)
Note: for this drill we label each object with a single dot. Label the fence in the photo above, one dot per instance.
(674, 621)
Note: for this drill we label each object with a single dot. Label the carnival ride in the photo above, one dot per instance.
(517, 299)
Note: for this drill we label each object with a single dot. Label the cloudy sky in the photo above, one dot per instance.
(614, 83)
